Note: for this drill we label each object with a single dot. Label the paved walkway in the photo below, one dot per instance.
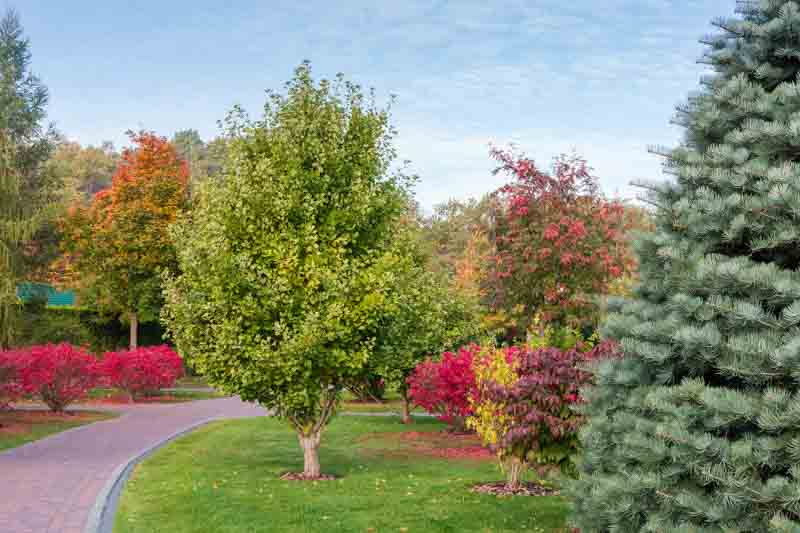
(50, 486)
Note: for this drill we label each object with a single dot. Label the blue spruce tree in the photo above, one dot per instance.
(697, 428)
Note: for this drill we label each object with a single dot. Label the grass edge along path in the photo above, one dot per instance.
(173, 395)
(224, 477)
(22, 426)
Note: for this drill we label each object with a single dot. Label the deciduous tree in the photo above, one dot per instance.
(427, 315)
(286, 262)
(523, 404)
(83, 171)
(119, 245)
(557, 243)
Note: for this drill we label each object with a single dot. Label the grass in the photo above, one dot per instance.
(225, 478)
(391, 404)
(22, 426)
(171, 396)
(192, 382)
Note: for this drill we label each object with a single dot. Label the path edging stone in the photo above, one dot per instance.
(101, 516)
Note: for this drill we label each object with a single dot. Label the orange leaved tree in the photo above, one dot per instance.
(118, 245)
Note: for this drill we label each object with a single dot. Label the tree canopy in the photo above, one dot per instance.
(25, 144)
(118, 246)
(696, 427)
(286, 262)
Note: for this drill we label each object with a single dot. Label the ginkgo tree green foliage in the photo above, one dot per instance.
(427, 316)
(287, 262)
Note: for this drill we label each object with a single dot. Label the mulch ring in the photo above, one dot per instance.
(300, 476)
(498, 488)
(442, 444)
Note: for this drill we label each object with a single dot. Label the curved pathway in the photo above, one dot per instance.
(50, 486)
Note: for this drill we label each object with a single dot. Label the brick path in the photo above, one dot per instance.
(49, 486)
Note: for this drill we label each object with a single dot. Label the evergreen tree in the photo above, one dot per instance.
(25, 145)
(697, 427)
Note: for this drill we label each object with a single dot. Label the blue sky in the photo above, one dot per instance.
(600, 77)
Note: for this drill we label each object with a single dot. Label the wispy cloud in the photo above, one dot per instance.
(600, 77)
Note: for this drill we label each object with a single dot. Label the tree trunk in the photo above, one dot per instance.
(134, 336)
(514, 469)
(458, 424)
(406, 408)
(310, 445)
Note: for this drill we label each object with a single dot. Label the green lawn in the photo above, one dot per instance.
(391, 404)
(225, 478)
(173, 396)
(21, 426)
(192, 382)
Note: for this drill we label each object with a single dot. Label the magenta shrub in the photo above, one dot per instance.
(142, 371)
(58, 374)
(10, 385)
(443, 387)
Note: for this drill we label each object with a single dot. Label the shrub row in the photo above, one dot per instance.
(59, 374)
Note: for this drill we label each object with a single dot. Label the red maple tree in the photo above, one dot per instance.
(558, 242)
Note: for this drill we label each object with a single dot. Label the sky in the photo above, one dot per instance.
(601, 78)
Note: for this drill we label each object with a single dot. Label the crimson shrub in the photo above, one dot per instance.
(10, 386)
(142, 371)
(58, 374)
(443, 387)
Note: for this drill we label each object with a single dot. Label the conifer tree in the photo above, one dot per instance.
(25, 144)
(697, 427)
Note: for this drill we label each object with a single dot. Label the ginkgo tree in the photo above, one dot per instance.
(118, 246)
(287, 263)
(428, 315)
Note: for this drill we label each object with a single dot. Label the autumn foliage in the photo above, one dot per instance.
(10, 386)
(557, 242)
(443, 387)
(117, 246)
(143, 370)
(524, 402)
(58, 374)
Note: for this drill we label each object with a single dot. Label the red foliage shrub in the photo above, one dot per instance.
(58, 374)
(443, 387)
(10, 386)
(143, 370)
(536, 408)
